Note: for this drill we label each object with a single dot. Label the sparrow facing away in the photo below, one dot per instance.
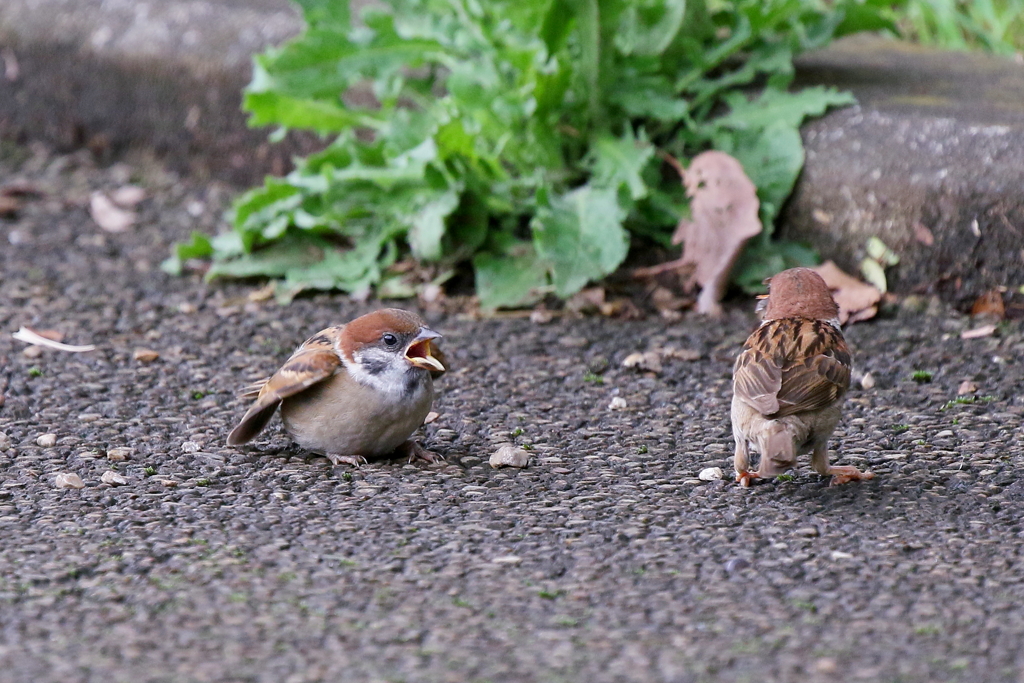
(353, 391)
(790, 380)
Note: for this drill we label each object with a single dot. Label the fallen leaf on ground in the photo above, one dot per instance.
(990, 303)
(857, 300)
(588, 300)
(923, 235)
(978, 332)
(9, 205)
(128, 195)
(967, 387)
(108, 215)
(145, 355)
(680, 354)
(30, 336)
(724, 208)
(724, 216)
(648, 360)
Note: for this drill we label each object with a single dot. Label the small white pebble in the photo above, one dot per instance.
(509, 456)
(68, 480)
(191, 447)
(507, 559)
(46, 440)
(710, 474)
(431, 416)
(5, 442)
(118, 454)
(867, 381)
(32, 352)
(944, 434)
(541, 316)
(967, 387)
(617, 403)
(840, 555)
(113, 478)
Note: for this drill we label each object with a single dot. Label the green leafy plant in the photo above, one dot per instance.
(522, 136)
(993, 25)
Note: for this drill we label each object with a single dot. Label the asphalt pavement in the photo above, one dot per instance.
(607, 559)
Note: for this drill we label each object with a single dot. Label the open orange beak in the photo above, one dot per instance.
(420, 351)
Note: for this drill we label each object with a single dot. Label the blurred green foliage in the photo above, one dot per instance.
(521, 136)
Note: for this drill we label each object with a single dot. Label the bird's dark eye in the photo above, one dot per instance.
(389, 339)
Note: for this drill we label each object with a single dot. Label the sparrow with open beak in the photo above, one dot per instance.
(353, 391)
(790, 380)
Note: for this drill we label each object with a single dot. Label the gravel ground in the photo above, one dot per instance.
(605, 560)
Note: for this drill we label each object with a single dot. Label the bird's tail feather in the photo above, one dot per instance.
(252, 423)
(778, 451)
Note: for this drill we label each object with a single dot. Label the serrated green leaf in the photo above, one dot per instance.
(580, 234)
(621, 161)
(647, 27)
(779, 106)
(510, 280)
(428, 226)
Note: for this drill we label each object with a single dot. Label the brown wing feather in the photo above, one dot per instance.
(313, 362)
(808, 369)
(757, 380)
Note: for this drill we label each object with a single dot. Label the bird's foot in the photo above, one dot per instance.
(743, 478)
(338, 459)
(418, 452)
(842, 474)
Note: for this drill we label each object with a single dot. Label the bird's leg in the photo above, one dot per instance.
(339, 459)
(741, 462)
(417, 452)
(840, 474)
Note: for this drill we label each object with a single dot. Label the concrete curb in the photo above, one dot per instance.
(932, 149)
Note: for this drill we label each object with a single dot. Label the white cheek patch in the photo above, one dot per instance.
(385, 372)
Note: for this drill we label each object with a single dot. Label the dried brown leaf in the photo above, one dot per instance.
(108, 215)
(990, 303)
(923, 235)
(967, 387)
(724, 216)
(857, 300)
(9, 205)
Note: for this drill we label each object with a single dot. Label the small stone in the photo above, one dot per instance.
(46, 440)
(944, 434)
(509, 456)
(967, 387)
(68, 480)
(648, 360)
(431, 416)
(867, 381)
(191, 447)
(5, 442)
(507, 559)
(572, 342)
(826, 665)
(118, 454)
(145, 355)
(113, 478)
(807, 531)
(617, 403)
(32, 352)
(710, 474)
(541, 316)
(169, 483)
(736, 564)
(840, 555)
